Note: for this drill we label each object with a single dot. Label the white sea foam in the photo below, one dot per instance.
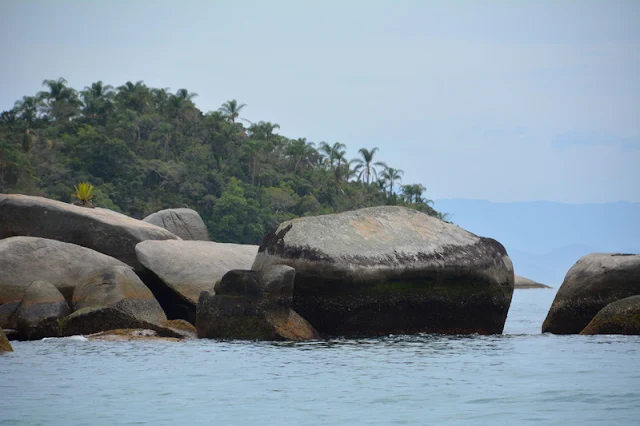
(74, 338)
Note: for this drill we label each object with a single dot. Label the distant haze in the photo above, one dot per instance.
(544, 239)
(505, 101)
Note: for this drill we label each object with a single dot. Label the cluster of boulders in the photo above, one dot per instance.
(599, 295)
(69, 270)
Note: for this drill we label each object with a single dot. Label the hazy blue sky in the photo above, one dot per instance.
(504, 101)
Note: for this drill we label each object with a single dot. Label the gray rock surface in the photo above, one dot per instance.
(102, 230)
(185, 223)
(619, 317)
(181, 270)
(526, 283)
(27, 259)
(40, 310)
(596, 280)
(118, 287)
(384, 270)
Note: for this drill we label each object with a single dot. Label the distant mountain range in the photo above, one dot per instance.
(544, 239)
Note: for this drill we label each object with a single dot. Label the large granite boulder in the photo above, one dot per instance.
(28, 259)
(40, 311)
(102, 230)
(178, 271)
(619, 317)
(240, 309)
(592, 283)
(118, 287)
(5, 345)
(382, 270)
(525, 283)
(185, 223)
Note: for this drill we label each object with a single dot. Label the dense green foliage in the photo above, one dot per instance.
(147, 149)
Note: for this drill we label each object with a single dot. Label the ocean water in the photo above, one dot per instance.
(521, 377)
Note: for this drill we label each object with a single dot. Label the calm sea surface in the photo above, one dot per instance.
(518, 378)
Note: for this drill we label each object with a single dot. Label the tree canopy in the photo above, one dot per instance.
(146, 149)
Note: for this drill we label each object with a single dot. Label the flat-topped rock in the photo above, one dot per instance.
(181, 270)
(102, 230)
(526, 283)
(390, 269)
(185, 223)
(596, 280)
(28, 259)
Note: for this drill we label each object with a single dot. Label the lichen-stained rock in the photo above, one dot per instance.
(102, 230)
(240, 310)
(24, 260)
(525, 283)
(619, 317)
(40, 310)
(120, 288)
(384, 270)
(596, 280)
(182, 327)
(178, 271)
(5, 345)
(129, 335)
(185, 223)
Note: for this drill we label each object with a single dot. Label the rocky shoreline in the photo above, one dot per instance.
(69, 270)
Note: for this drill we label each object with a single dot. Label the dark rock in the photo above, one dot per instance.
(28, 259)
(5, 346)
(120, 288)
(277, 283)
(619, 317)
(525, 283)
(178, 271)
(235, 317)
(385, 270)
(95, 320)
(185, 223)
(239, 283)
(592, 283)
(40, 311)
(102, 230)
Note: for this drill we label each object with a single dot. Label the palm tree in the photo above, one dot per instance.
(392, 176)
(413, 193)
(135, 96)
(98, 99)
(27, 109)
(254, 148)
(365, 165)
(231, 109)
(61, 101)
(302, 153)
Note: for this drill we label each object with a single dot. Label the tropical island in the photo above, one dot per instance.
(146, 149)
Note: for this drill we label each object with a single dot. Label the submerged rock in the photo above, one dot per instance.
(128, 335)
(526, 283)
(28, 259)
(185, 223)
(592, 283)
(385, 270)
(178, 271)
(5, 345)
(40, 311)
(102, 230)
(619, 317)
(240, 310)
(95, 320)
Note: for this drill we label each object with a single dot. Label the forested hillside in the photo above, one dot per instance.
(147, 149)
